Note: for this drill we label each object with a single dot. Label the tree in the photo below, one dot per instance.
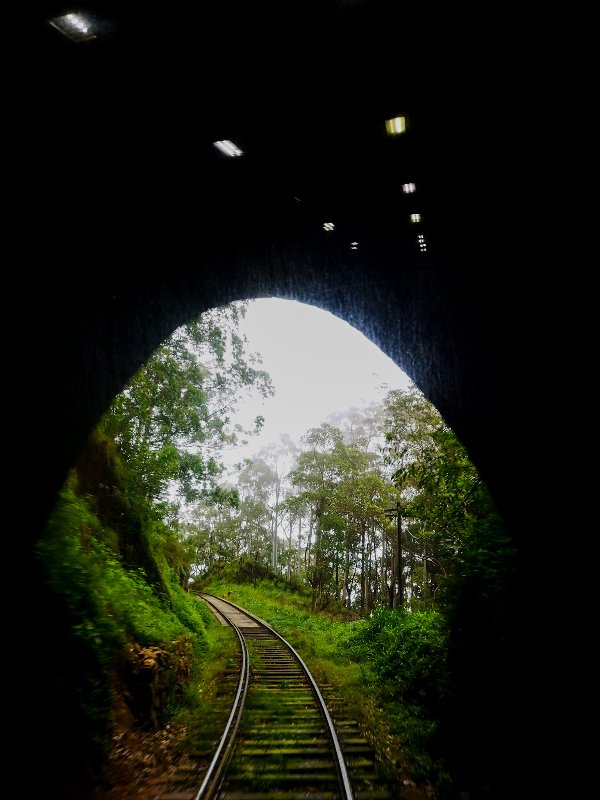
(343, 486)
(446, 507)
(174, 417)
(315, 474)
(278, 457)
(255, 485)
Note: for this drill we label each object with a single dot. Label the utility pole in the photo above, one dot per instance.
(396, 512)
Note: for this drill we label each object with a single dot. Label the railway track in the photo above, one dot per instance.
(281, 742)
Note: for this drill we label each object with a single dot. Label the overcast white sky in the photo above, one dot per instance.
(319, 364)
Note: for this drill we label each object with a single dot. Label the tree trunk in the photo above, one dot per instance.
(368, 587)
(383, 580)
(318, 576)
(299, 551)
(362, 568)
(347, 570)
(275, 528)
(289, 552)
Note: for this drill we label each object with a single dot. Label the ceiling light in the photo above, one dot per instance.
(408, 188)
(415, 218)
(328, 226)
(75, 26)
(228, 148)
(395, 126)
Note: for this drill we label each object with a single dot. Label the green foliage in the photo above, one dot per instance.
(342, 485)
(208, 697)
(125, 523)
(406, 654)
(454, 536)
(174, 416)
(108, 613)
(108, 604)
(74, 558)
(244, 569)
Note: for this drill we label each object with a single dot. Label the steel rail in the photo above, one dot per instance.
(339, 760)
(223, 752)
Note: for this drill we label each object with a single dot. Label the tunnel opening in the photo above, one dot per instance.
(134, 223)
(97, 466)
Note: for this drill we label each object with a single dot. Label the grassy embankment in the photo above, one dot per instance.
(360, 658)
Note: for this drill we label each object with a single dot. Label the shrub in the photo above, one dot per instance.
(407, 653)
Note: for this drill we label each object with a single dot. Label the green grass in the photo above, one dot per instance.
(206, 704)
(399, 732)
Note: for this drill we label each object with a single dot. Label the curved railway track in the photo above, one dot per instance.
(289, 746)
(280, 741)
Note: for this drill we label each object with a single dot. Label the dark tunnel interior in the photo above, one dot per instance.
(129, 222)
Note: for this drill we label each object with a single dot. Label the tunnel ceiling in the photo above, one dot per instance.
(121, 200)
(303, 88)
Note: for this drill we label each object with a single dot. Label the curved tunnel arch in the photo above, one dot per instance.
(153, 230)
(105, 303)
(410, 317)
